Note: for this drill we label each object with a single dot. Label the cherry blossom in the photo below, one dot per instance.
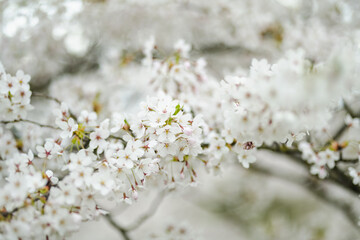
(128, 119)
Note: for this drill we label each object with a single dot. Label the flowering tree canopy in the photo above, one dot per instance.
(107, 101)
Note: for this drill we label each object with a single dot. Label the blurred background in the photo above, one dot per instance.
(95, 46)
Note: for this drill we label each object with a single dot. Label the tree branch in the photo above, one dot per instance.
(118, 138)
(29, 121)
(339, 132)
(335, 174)
(41, 95)
(317, 188)
(143, 218)
(349, 110)
(121, 230)
(150, 212)
(350, 161)
(344, 127)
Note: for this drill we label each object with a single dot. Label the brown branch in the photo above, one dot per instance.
(339, 177)
(41, 95)
(317, 188)
(150, 212)
(339, 133)
(29, 121)
(121, 230)
(143, 218)
(348, 109)
(118, 138)
(350, 161)
(344, 127)
(335, 175)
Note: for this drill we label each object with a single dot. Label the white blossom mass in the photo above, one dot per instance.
(179, 119)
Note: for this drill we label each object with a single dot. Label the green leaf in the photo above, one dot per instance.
(177, 109)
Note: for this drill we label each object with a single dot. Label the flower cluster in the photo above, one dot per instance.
(355, 174)
(59, 186)
(164, 132)
(50, 184)
(256, 109)
(183, 78)
(14, 95)
(319, 161)
(281, 102)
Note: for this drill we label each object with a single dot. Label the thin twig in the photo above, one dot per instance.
(279, 148)
(41, 95)
(151, 211)
(349, 110)
(118, 138)
(344, 127)
(350, 161)
(29, 121)
(335, 175)
(121, 230)
(37, 94)
(339, 132)
(315, 187)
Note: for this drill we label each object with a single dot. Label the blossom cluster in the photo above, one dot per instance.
(284, 101)
(88, 160)
(319, 161)
(169, 135)
(14, 95)
(50, 184)
(183, 78)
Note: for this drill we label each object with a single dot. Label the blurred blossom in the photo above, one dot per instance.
(239, 119)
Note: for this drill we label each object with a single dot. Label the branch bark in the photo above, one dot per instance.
(336, 175)
(121, 230)
(41, 95)
(317, 188)
(29, 121)
(124, 231)
(150, 212)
